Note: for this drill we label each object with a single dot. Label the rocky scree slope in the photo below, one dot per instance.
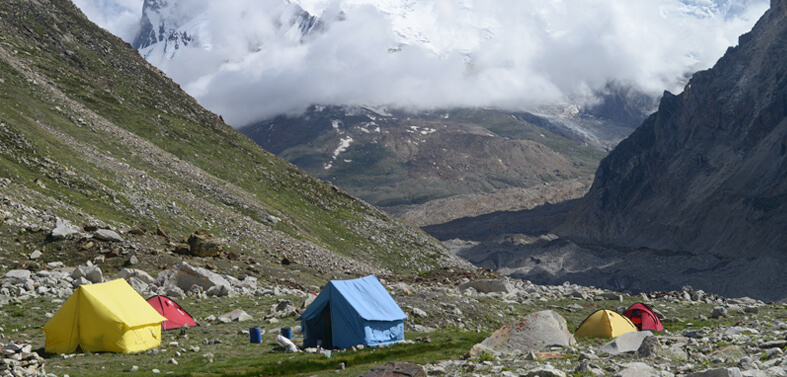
(706, 173)
(93, 134)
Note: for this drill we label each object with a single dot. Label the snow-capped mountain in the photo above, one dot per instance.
(251, 60)
(169, 28)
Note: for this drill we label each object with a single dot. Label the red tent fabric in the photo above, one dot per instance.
(643, 317)
(176, 316)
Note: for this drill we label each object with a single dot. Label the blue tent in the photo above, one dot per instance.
(351, 312)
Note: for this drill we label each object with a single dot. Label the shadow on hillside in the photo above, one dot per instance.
(533, 222)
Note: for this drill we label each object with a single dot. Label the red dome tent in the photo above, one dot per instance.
(176, 316)
(643, 317)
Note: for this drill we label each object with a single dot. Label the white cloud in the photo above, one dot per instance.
(121, 17)
(503, 53)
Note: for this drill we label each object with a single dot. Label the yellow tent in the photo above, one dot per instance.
(605, 324)
(105, 317)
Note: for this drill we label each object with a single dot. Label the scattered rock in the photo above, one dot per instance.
(545, 371)
(488, 285)
(419, 313)
(235, 315)
(89, 272)
(637, 369)
(718, 372)
(390, 369)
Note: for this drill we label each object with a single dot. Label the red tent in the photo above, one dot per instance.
(176, 316)
(643, 317)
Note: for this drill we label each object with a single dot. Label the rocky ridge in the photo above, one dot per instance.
(707, 169)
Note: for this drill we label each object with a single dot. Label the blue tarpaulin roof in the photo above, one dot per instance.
(365, 295)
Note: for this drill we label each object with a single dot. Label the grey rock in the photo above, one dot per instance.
(534, 332)
(108, 235)
(63, 229)
(419, 313)
(718, 372)
(35, 254)
(637, 369)
(137, 284)
(718, 311)
(585, 368)
(236, 315)
(628, 342)
(545, 371)
(218, 290)
(185, 276)
(91, 273)
(609, 296)
(650, 347)
(18, 274)
(738, 330)
(142, 276)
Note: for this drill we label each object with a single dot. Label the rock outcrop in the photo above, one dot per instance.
(705, 175)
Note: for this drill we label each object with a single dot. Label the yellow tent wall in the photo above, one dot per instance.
(105, 317)
(604, 324)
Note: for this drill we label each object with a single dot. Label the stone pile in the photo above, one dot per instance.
(18, 359)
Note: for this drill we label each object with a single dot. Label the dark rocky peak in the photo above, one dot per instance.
(706, 173)
(622, 104)
(170, 21)
(147, 35)
(162, 18)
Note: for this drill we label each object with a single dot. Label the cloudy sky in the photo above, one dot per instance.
(248, 63)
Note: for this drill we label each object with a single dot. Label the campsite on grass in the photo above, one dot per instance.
(444, 324)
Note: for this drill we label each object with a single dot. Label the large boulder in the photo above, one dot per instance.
(203, 244)
(108, 235)
(628, 342)
(18, 274)
(532, 333)
(184, 276)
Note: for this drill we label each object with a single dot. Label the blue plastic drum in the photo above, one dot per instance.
(255, 335)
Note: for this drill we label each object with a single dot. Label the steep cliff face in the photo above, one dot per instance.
(707, 173)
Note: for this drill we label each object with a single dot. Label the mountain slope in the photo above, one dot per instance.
(706, 173)
(93, 134)
(397, 158)
(694, 197)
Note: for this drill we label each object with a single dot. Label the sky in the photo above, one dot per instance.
(249, 63)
